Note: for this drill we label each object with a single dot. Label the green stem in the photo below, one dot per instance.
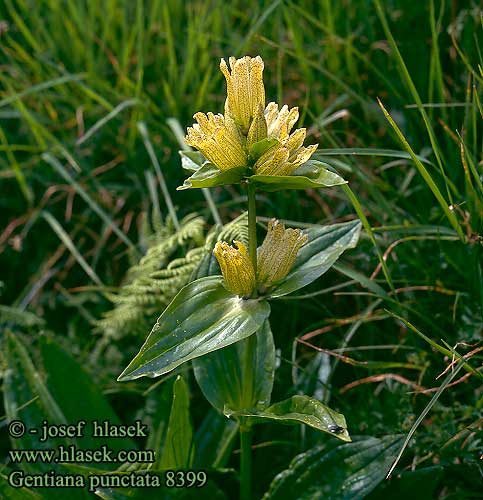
(252, 225)
(250, 346)
(246, 461)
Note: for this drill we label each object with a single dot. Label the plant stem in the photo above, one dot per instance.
(250, 346)
(252, 225)
(246, 461)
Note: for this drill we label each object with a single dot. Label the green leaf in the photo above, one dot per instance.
(202, 318)
(210, 491)
(391, 153)
(214, 440)
(209, 176)
(419, 483)
(256, 150)
(221, 376)
(177, 451)
(78, 394)
(347, 472)
(192, 160)
(311, 174)
(155, 415)
(299, 410)
(26, 397)
(324, 247)
(208, 265)
(7, 491)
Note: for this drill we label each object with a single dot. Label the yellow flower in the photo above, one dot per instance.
(218, 139)
(285, 157)
(258, 128)
(226, 140)
(245, 90)
(280, 123)
(236, 267)
(278, 252)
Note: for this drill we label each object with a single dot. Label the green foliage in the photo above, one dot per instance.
(348, 471)
(223, 377)
(325, 245)
(202, 318)
(178, 452)
(151, 283)
(298, 409)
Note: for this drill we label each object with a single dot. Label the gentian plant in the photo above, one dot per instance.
(220, 322)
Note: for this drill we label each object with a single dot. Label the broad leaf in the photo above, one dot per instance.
(78, 393)
(299, 410)
(202, 318)
(324, 247)
(209, 176)
(191, 160)
(214, 440)
(311, 174)
(27, 398)
(256, 150)
(221, 376)
(177, 451)
(155, 415)
(7, 491)
(347, 472)
(208, 265)
(419, 483)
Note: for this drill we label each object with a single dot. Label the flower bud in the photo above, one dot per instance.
(218, 140)
(258, 128)
(244, 88)
(236, 267)
(278, 252)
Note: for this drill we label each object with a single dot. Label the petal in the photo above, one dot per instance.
(295, 141)
(245, 89)
(278, 252)
(236, 267)
(271, 162)
(304, 154)
(258, 128)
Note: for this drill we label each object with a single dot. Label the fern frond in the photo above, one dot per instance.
(152, 282)
(237, 229)
(14, 315)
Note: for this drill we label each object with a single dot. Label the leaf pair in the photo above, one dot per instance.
(312, 174)
(204, 316)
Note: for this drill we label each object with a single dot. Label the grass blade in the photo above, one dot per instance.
(425, 174)
(451, 375)
(54, 162)
(67, 241)
(162, 183)
(100, 123)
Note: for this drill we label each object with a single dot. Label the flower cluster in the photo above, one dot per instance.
(276, 256)
(228, 140)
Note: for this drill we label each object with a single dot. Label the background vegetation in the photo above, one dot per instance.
(90, 254)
